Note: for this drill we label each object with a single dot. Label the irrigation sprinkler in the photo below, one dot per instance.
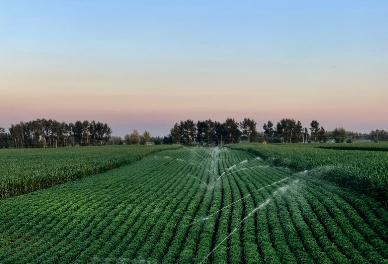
(280, 191)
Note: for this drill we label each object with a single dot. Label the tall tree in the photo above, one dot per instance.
(37, 127)
(205, 131)
(65, 131)
(175, 133)
(305, 135)
(298, 132)
(322, 137)
(280, 131)
(188, 131)
(16, 135)
(288, 130)
(100, 132)
(134, 138)
(339, 134)
(220, 133)
(232, 130)
(3, 137)
(248, 129)
(379, 135)
(201, 131)
(93, 138)
(314, 128)
(106, 133)
(78, 132)
(47, 127)
(269, 130)
(209, 131)
(127, 139)
(145, 137)
(71, 129)
(57, 135)
(85, 132)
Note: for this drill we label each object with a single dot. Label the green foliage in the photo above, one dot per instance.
(145, 137)
(51, 133)
(268, 130)
(339, 134)
(288, 130)
(232, 131)
(248, 129)
(133, 138)
(208, 132)
(314, 128)
(379, 135)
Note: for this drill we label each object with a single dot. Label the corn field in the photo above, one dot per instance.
(26, 170)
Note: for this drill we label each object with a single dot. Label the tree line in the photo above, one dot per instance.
(291, 131)
(287, 130)
(51, 133)
(379, 135)
(231, 131)
(213, 132)
(136, 138)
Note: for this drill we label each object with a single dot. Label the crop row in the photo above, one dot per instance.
(197, 205)
(359, 168)
(26, 170)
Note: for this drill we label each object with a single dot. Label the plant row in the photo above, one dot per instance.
(194, 205)
(26, 170)
(363, 170)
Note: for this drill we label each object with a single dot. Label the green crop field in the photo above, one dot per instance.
(26, 170)
(196, 205)
(363, 166)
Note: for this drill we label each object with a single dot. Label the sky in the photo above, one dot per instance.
(146, 65)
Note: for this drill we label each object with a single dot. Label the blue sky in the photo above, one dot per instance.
(149, 63)
(222, 28)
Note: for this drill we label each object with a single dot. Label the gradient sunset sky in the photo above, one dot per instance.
(148, 64)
